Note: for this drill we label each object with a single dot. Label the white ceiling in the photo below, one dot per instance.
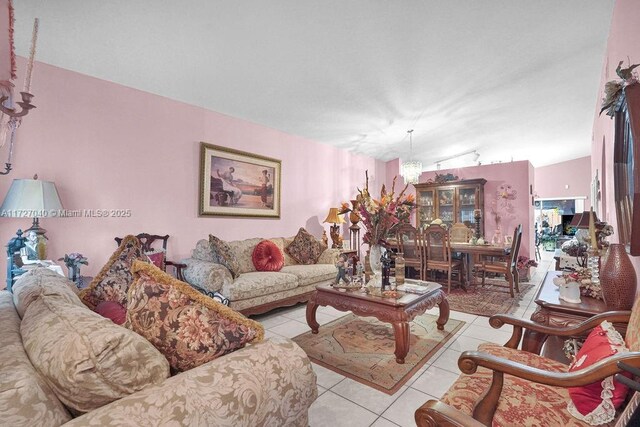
(514, 79)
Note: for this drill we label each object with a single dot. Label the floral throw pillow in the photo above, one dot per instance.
(305, 248)
(223, 255)
(112, 283)
(188, 328)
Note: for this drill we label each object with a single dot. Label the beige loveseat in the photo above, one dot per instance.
(269, 383)
(254, 292)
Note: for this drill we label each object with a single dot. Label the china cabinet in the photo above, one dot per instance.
(450, 201)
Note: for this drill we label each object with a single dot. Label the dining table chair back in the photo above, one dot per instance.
(509, 267)
(460, 233)
(437, 253)
(406, 241)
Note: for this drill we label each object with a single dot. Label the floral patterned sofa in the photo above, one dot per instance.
(254, 292)
(269, 383)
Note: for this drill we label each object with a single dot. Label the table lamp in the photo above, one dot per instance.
(32, 198)
(334, 231)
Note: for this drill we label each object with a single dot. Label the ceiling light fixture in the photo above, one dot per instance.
(411, 169)
(475, 153)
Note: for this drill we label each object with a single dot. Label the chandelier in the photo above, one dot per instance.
(411, 169)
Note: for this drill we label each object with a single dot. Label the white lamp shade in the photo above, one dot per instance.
(29, 197)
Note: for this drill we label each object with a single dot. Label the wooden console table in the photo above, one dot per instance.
(554, 312)
(397, 311)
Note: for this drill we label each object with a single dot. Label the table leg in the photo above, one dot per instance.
(312, 307)
(402, 334)
(444, 314)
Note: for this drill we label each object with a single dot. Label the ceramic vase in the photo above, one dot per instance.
(375, 262)
(73, 273)
(618, 279)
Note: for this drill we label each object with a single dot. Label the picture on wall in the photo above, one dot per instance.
(237, 183)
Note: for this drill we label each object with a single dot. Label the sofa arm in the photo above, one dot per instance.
(270, 383)
(437, 414)
(329, 256)
(206, 275)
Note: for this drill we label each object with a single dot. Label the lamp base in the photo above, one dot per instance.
(336, 239)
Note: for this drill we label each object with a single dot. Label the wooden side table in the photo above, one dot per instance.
(554, 312)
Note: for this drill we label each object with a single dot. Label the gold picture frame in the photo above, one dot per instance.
(237, 183)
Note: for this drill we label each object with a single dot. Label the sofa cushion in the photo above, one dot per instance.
(329, 256)
(25, 398)
(283, 242)
(112, 311)
(112, 282)
(308, 274)
(203, 252)
(224, 255)
(157, 257)
(522, 402)
(249, 285)
(596, 403)
(86, 359)
(42, 281)
(187, 327)
(632, 337)
(209, 276)
(266, 256)
(305, 248)
(243, 249)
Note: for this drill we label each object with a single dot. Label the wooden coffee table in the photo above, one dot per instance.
(397, 311)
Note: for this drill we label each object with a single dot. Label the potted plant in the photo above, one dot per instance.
(73, 261)
(523, 267)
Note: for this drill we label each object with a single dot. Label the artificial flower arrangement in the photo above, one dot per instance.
(582, 276)
(380, 215)
(613, 89)
(524, 262)
(74, 259)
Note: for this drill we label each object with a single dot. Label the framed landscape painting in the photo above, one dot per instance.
(237, 183)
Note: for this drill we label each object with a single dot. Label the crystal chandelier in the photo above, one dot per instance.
(411, 169)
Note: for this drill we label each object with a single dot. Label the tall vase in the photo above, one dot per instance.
(73, 272)
(375, 262)
(618, 279)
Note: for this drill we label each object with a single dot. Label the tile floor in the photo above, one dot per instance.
(345, 402)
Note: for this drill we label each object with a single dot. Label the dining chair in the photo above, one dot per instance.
(406, 238)
(509, 267)
(157, 256)
(460, 233)
(437, 254)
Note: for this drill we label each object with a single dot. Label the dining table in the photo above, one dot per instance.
(470, 252)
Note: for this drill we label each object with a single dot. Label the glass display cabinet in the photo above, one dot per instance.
(450, 201)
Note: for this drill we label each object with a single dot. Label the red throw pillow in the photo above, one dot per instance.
(267, 256)
(596, 403)
(112, 310)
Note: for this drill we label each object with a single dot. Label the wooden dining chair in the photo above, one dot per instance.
(157, 256)
(460, 233)
(437, 254)
(509, 267)
(406, 237)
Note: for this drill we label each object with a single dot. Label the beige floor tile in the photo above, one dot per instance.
(270, 322)
(326, 377)
(464, 343)
(331, 410)
(382, 422)
(435, 381)
(403, 409)
(487, 334)
(448, 361)
(365, 396)
(290, 328)
(465, 317)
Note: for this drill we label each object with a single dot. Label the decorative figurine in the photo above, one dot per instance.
(341, 264)
(386, 269)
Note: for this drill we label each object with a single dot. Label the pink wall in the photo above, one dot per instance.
(551, 181)
(623, 44)
(519, 175)
(108, 146)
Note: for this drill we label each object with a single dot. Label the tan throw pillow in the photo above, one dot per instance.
(223, 255)
(187, 327)
(87, 360)
(113, 281)
(305, 249)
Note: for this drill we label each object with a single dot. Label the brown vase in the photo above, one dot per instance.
(618, 279)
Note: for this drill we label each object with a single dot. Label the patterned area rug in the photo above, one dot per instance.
(487, 300)
(362, 348)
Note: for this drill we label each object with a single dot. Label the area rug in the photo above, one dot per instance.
(487, 300)
(362, 348)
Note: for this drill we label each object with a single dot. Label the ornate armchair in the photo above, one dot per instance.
(534, 389)
(158, 257)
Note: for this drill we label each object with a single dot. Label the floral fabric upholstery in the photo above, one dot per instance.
(25, 398)
(266, 384)
(87, 360)
(329, 256)
(305, 248)
(203, 251)
(249, 285)
(282, 243)
(308, 274)
(243, 250)
(188, 328)
(224, 255)
(268, 298)
(522, 402)
(632, 338)
(112, 283)
(209, 276)
(42, 281)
